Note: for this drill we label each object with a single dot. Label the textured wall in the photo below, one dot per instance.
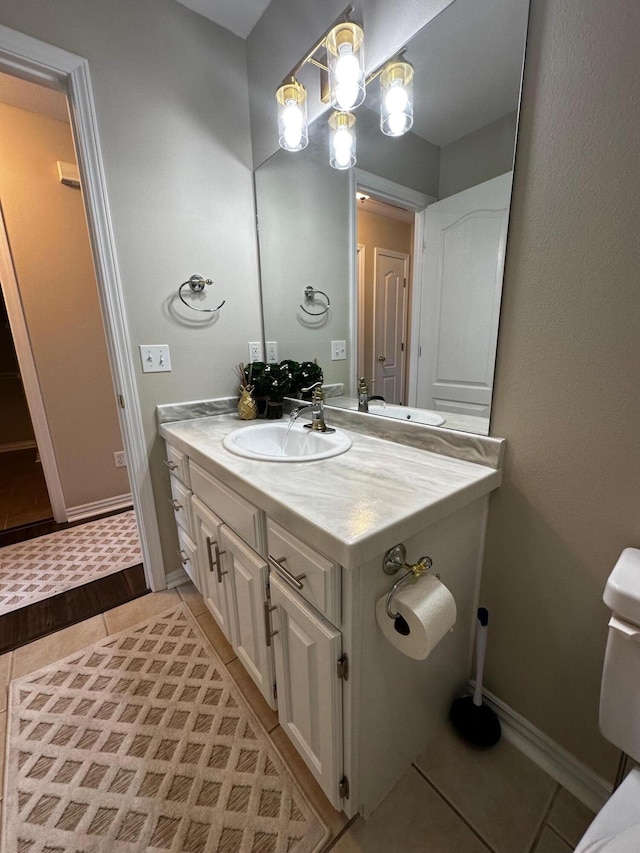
(47, 232)
(566, 391)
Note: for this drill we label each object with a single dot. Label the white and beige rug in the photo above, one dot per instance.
(142, 742)
(39, 568)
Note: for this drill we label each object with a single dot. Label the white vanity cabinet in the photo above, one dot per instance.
(177, 463)
(216, 581)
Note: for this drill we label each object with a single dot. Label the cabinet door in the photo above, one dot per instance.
(215, 586)
(249, 574)
(307, 649)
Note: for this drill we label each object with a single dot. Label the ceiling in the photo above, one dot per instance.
(32, 97)
(238, 16)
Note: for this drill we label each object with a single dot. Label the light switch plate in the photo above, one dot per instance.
(155, 358)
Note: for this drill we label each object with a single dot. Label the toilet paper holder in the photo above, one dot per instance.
(394, 561)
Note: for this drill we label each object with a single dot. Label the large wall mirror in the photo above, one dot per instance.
(401, 285)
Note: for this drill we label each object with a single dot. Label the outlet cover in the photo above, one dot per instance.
(272, 352)
(338, 350)
(155, 358)
(256, 352)
(120, 459)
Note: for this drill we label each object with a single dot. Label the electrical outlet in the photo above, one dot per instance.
(120, 459)
(155, 358)
(272, 352)
(255, 351)
(338, 350)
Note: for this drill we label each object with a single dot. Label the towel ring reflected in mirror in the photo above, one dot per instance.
(310, 294)
(196, 284)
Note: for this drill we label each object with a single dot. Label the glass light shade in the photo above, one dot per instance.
(345, 60)
(293, 130)
(342, 140)
(396, 98)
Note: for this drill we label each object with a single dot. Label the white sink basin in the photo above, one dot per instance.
(274, 442)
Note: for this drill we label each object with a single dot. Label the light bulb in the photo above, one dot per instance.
(342, 145)
(293, 120)
(347, 66)
(396, 99)
(397, 123)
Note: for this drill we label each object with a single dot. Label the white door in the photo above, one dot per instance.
(214, 586)
(465, 239)
(390, 324)
(249, 575)
(307, 649)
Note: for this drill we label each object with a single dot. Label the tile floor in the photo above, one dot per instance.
(453, 799)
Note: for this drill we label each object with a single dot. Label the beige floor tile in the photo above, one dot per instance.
(255, 699)
(140, 609)
(336, 821)
(569, 817)
(549, 842)
(5, 675)
(192, 598)
(499, 791)
(3, 731)
(411, 819)
(57, 646)
(216, 637)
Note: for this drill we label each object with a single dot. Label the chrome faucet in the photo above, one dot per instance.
(363, 396)
(316, 407)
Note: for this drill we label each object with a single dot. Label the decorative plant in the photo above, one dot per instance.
(310, 373)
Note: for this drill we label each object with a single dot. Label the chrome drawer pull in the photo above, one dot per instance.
(170, 465)
(174, 503)
(267, 622)
(184, 558)
(209, 555)
(219, 553)
(294, 580)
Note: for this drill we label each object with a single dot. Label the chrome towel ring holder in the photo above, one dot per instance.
(310, 294)
(196, 284)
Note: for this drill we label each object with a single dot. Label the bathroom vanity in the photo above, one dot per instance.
(288, 557)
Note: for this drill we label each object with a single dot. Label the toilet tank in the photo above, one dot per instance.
(620, 690)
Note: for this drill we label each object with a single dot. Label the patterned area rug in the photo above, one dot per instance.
(141, 742)
(39, 568)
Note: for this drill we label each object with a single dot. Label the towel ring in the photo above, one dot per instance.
(310, 294)
(196, 284)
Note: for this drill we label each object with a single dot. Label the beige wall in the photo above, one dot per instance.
(47, 232)
(171, 99)
(566, 392)
(375, 231)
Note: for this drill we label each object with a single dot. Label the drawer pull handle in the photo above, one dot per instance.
(170, 465)
(184, 557)
(267, 622)
(174, 503)
(219, 553)
(294, 580)
(209, 555)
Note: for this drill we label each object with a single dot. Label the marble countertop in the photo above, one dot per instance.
(352, 507)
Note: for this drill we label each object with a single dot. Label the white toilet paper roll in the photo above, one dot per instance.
(429, 610)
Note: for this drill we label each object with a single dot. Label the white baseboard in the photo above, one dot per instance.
(176, 578)
(76, 513)
(579, 780)
(17, 445)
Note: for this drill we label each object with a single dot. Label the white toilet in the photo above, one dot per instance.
(616, 828)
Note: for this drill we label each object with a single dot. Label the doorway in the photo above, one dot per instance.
(49, 286)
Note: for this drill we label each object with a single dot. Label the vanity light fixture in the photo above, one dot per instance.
(339, 55)
(396, 98)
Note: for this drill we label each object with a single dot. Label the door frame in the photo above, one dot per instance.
(33, 60)
(29, 375)
(410, 199)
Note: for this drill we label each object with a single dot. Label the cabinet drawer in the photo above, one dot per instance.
(188, 557)
(291, 559)
(241, 516)
(181, 503)
(178, 463)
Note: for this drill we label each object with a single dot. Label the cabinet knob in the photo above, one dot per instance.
(174, 503)
(170, 465)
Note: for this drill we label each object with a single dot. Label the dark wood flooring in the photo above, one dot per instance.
(74, 605)
(23, 492)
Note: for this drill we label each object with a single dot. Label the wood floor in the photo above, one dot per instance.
(74, 605)
(23, 492)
